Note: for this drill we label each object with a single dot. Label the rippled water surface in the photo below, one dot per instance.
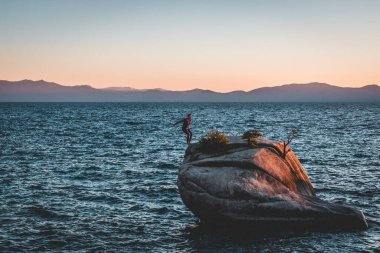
(102, 176)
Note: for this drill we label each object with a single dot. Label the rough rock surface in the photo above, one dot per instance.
(241, 185)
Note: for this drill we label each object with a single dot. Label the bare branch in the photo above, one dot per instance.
(292, 134)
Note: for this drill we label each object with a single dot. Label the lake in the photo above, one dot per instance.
(102, 176)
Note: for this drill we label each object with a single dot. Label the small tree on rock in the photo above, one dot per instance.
(251, 136)
(291, 135)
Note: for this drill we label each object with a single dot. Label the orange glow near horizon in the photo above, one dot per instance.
(188, 83)
(185, 79)
(209, 69)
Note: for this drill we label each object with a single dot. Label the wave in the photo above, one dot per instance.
(44, 212)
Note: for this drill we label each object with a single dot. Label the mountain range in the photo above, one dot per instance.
(42, 91)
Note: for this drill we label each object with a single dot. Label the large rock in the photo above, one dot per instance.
(256, 187)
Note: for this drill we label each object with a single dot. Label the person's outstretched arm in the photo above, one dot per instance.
(179, 121)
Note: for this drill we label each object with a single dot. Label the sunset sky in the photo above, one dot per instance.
(181, 45)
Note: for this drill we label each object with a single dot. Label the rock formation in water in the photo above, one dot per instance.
(241, 185)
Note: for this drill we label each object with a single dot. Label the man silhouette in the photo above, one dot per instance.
(186, 127)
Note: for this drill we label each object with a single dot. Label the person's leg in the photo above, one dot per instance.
(191, 135)
(188, 136)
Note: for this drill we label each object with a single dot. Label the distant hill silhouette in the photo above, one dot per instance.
(42, 91)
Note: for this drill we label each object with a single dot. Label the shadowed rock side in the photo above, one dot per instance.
(240, 185)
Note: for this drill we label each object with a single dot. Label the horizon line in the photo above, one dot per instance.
(163, 89)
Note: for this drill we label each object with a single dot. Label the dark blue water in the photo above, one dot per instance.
(102, 176)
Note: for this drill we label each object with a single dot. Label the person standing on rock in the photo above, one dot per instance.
(186, 127)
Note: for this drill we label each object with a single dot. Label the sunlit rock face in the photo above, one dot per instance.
(241, 185)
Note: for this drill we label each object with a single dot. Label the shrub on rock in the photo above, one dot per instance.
(251, 136)
(213, 141)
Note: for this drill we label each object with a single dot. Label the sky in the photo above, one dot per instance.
(181, 45)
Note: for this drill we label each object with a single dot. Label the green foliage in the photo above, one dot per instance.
(253, 142)
(214, 137)
(251, 136)
(213, 141)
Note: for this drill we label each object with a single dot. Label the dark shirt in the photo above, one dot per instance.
(186, 123)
